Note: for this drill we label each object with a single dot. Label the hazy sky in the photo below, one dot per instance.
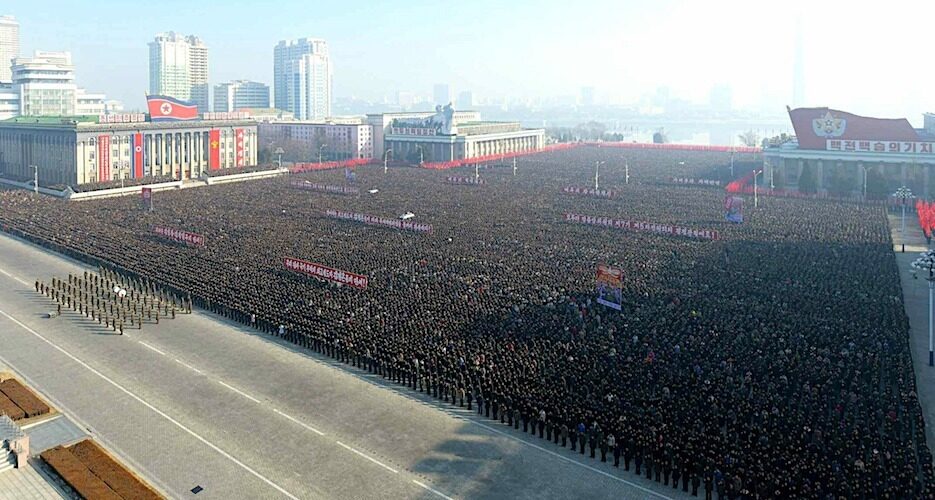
(865, 57)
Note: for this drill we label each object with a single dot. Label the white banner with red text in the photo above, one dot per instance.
(374, 220)
(598, 193)
(454, 179)
(324, 188)
(648, 227)
(695, 182)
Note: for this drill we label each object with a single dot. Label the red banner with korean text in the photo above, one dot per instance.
(646, 227)
(214, 143)
(103, 158)
(326, 273)
(191, 239)
(238, 146)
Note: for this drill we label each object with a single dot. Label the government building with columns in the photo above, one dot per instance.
(843, 149)
(449, 135)
(78, 150)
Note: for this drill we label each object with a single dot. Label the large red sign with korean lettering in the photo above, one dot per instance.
(103, 158)
(648, 227)
(192, 239)
(325, 273)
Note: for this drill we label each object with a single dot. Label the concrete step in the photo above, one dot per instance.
(8, 464)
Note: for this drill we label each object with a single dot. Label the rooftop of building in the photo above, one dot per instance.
(91, 122)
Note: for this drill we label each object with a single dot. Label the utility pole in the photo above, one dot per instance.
(597, 170)
(755, 174)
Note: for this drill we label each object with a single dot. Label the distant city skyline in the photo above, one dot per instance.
(624, 51)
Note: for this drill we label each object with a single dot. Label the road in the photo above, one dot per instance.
(199, 401)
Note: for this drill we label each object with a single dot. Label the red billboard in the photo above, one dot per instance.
(815, 127)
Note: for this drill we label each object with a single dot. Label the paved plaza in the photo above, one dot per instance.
(915, 297)
(199, 401)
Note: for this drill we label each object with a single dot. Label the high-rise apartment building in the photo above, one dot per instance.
(240, 94)
(465, 100)
(302, 78)
(9, 46)
(45, 84)
(441, 93)
(178, 67)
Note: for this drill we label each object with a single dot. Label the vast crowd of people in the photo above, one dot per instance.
(772, 363)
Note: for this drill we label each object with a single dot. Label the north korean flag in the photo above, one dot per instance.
(164, 108)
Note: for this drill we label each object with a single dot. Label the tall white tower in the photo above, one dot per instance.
(9, 46)
(302, 78)
(798, 69)
(178, 67)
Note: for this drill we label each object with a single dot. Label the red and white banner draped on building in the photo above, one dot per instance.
(374, 220)
(695, 182)
(325, 273)
(324, 188)
(328, 165)
(239, 147)
(454, 179)
(192, 239)
(599, 193)
(103, 158)
(648, 227)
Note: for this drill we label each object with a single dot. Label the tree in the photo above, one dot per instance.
(591, 130)
(749, 138)
(876, 185)
(841, 182)
(807, 181)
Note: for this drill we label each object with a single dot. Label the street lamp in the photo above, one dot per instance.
(323, 146)
(279, 152)
(927, 263)
(903, 194)
(386, 155)
(626, 171)
(866, 169)
(421, 154)
(597, 170)
(755, 174)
